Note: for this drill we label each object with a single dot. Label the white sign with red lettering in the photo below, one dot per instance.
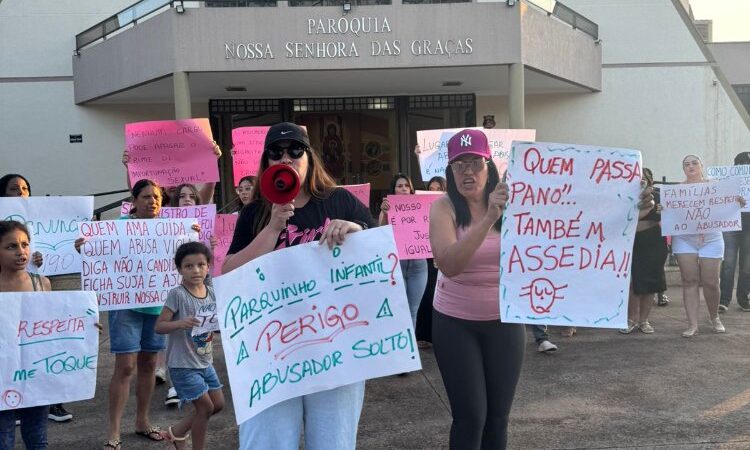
(567, 234)
(50, 348)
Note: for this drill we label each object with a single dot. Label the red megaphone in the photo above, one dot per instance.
(279, 184)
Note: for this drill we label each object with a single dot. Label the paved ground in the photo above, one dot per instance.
(602, 390)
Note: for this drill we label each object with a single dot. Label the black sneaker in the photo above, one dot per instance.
(663, 300)
(59, 414)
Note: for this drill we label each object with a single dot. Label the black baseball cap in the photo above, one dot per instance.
(286, 130)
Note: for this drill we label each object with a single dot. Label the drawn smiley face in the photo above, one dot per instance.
(12, 398)
(542, 294)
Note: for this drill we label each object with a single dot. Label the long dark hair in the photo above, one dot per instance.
(397, 177)
(175, 201)
(463, 214)
(6, 179)
(436, 179)
(318, 183)
(141, 185)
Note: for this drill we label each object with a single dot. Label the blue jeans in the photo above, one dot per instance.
(330, 419)
(539, 332)
(415, 278)
(33, 427)
(736, 243)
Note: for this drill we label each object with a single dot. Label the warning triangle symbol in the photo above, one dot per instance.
(243, 353)
(385, 310)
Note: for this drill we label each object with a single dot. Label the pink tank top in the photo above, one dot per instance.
(474, 293)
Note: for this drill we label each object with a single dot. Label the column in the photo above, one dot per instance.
(182, 105)
(516, 99)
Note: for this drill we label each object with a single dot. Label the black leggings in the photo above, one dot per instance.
(480, 362)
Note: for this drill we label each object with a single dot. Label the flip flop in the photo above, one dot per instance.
(153, 433)
(114, 444)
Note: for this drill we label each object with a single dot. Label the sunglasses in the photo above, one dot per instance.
(476, 165)
(295, 150)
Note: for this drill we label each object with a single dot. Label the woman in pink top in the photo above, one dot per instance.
(479, 357)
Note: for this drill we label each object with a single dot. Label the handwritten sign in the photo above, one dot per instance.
(567, 235)
(53, 224)
(740, 172)
(248, 148)
(339, 317)
(433, 145)
(361, 191)
(698, 208)
(50, 348)
(130, 263)
(410, 217)
(223, 232)
(205, 216)
(171, 152)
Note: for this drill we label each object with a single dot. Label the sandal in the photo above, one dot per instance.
(169, 436)
(113, 444)
(153, 433)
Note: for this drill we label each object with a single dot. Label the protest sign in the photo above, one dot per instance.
(204, 214)
(53, 224)
(410, 217)
(306, 319)
(698, 208)
(223, 232)
(50, 348)
(130, 263)
(171, 152)
(248, 148)
(433, 147)
(567, 234)
(740, 172)
(361, 191)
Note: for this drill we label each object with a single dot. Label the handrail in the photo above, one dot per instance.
(576, 20)
(116, 204)
(113, 23)
(100, 194)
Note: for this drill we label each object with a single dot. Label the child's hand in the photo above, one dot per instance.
(78, 243)
(37, 259)
(188, 323)
(196, 227)
(213, 241)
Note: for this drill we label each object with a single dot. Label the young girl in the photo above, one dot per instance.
(186, 195)
(14, 258)
(189, 358)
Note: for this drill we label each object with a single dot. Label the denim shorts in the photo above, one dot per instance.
(191, 384)
(132, 332)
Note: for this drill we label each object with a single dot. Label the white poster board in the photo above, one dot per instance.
(698, 208)
(565, 259)
(205, 215)
(53, 224)
(306, 319)
(742, 173)
(433, 146)
(130, 263)
(50, 348)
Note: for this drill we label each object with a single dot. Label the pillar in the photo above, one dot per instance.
(516, 96)
(182, 102)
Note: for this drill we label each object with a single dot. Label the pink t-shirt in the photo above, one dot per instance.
(474, 293)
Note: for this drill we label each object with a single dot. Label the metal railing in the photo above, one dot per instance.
(116, 204)
(128, 16)
(576, 20)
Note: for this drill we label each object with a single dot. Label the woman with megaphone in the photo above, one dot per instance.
(298, 202)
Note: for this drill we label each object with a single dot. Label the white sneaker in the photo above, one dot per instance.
(723, 308)
(161, 375)
(172, 398)
(718, 326)
(546, 346)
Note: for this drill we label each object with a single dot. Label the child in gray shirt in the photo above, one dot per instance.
(189, 319)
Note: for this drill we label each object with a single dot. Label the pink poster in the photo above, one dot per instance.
(204, 213)
(171, 152)
(361, 191)
(433, 148)
(248, 147)
(410, 217)
(223, 232)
